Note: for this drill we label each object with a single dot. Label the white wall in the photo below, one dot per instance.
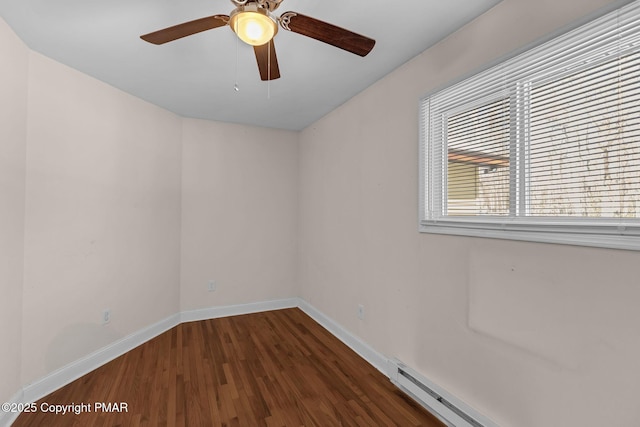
(13, 121)
(530, 334)
(102, 216)
(239, 214)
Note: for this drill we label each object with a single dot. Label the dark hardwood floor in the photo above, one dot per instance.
(273, 369)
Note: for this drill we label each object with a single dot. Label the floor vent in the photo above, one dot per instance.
(447, 408)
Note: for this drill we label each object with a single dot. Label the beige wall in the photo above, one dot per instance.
(239, 214)
(530, 334)
(13, 121)
(103, 225)
(102, 216)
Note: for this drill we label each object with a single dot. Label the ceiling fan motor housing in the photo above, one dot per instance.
(270, 5)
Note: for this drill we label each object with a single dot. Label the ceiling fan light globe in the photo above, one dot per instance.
(253, 27)
(253, 30)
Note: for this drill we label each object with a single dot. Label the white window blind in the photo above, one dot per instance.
(543, 147)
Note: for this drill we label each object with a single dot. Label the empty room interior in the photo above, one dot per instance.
(419, 215)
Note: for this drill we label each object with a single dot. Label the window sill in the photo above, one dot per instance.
(582, 236)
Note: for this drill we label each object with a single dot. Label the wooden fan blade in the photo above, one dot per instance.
(267, 61)
(327, 33)
(186, 29)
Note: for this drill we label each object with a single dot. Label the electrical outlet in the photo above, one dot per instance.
(211, 285)
(106, 316)
(360, 311)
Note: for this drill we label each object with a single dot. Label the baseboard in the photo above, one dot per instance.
(377, 360)
(235, 310)
(63, 376)
(7, 418)
(71, 372)
(77, 369)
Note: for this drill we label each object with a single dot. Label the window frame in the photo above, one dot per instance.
(619, 233)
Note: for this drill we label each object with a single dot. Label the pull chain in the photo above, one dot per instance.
(235, 85)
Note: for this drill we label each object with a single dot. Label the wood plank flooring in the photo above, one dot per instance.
(271, 369)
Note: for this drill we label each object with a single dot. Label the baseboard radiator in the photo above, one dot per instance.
(450, 410)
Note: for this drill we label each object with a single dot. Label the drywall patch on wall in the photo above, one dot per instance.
(550, 301)
(517, 301)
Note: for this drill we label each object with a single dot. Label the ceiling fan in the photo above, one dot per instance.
(254, 24)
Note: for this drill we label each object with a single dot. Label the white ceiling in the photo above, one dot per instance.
(195, 76)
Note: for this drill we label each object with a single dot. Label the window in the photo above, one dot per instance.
(543, 147)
